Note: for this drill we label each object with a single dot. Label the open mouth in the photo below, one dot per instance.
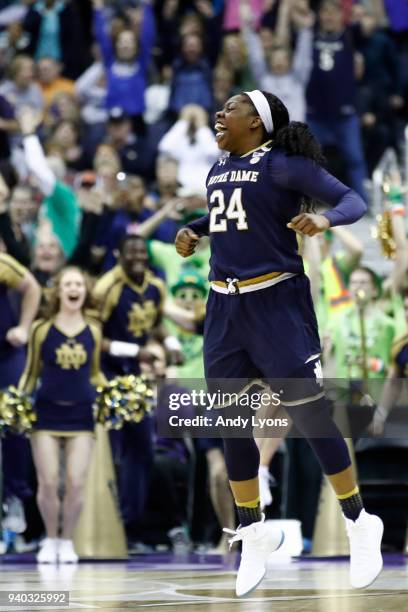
(74, 298)
(220, 130)
(48, 258)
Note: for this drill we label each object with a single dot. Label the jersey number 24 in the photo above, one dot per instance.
(220, 213)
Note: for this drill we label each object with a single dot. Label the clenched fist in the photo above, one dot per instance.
(186, 242)
(17, 336)
(309, 224)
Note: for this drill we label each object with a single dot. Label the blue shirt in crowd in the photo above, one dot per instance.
(126, 81)
(192, 84)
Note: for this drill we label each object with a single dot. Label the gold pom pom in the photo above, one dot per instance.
(16, 412)
(385, 235)
(125, 399)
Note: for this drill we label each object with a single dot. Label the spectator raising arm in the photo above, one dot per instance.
(353, 248)
(147, 35)
(282, 29)
(303, 57)
(127, 60)
(279, 73)
(34, 155)
(256, 56)
(89, 80)
(60, 206)
(147, 228)
(91, 204)
(101, 32)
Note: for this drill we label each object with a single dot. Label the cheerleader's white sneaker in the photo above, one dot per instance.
(48, 552)
(365, 535)
(66, 552)
(258, 542)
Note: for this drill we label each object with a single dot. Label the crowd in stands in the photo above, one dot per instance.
(106, 130)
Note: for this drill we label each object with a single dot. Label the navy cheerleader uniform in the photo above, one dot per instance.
(63, 371)
(129, 312)
(12, 358)
(15, 448)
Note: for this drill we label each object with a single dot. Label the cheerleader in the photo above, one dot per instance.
(13, 337)
(63, 369)
(130, 302)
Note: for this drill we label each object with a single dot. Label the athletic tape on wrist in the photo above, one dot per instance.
(123, 349)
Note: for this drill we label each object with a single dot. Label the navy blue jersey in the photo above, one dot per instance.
(64, 371)
(331, 91)
(129, 313)
(11, 275)
(67, 367)
(252, 198)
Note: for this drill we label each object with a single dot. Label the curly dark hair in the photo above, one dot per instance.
(293, 137)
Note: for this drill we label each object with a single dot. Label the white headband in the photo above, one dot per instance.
(263, 108)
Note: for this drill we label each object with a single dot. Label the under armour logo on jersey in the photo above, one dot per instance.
(223, 159)
(318, 372)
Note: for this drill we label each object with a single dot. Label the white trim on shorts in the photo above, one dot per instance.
(255, 286)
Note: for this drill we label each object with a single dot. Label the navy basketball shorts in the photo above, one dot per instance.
(269, 335)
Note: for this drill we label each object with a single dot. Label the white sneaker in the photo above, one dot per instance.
(258, 542)
(48, 552)
(66, 552)
(265, 494)
(365, 536)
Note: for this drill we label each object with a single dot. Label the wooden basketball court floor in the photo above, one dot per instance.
(201, 583)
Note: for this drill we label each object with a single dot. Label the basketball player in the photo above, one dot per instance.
(260, 321)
